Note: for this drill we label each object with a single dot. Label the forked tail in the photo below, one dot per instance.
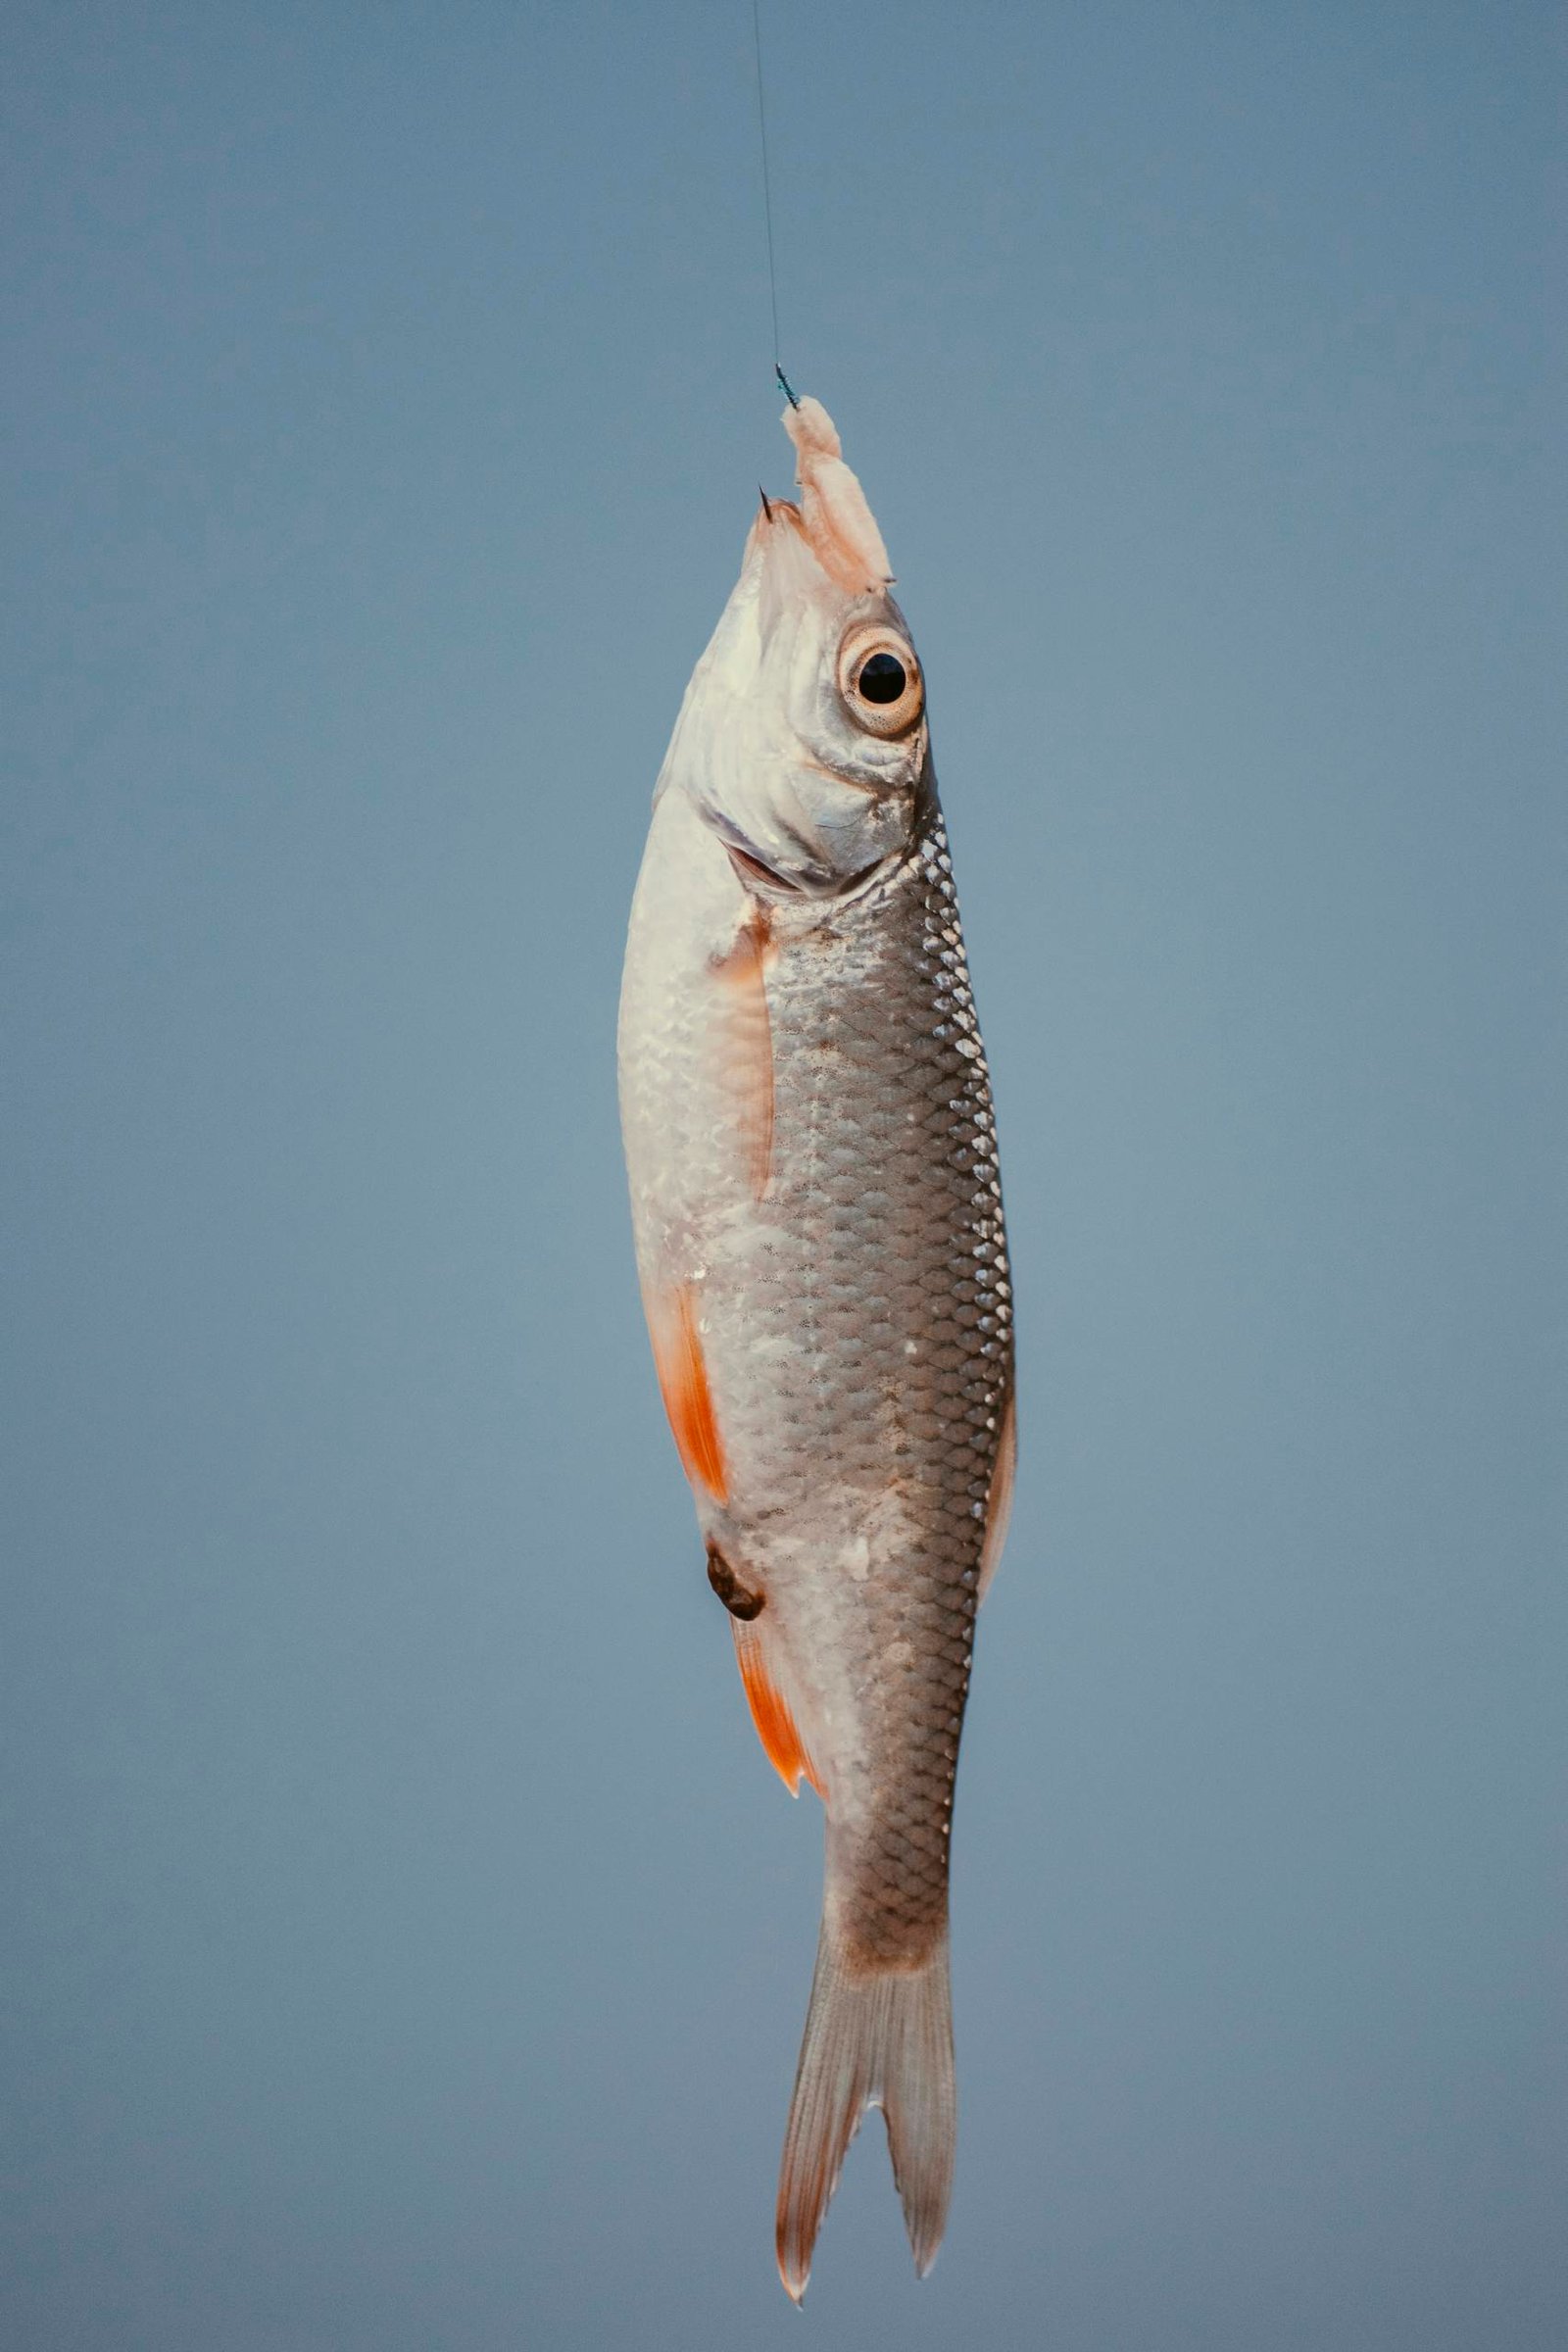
(872, 2038)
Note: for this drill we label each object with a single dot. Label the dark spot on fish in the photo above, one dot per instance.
(731, 1591)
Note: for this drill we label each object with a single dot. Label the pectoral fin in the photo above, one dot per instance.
(744, 1047)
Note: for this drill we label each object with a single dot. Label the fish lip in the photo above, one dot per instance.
(778, 514)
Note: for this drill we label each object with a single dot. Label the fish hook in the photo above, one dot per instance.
(784, 385)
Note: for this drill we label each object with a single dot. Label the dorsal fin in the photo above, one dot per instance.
(999, 1502)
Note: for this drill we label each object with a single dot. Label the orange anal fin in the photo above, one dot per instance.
(999, 1502)
(745, 1048)
(771, 1712)
(688, 1400)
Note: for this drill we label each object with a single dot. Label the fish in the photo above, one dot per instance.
(816, 1204)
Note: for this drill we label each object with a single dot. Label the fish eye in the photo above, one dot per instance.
(880, 680)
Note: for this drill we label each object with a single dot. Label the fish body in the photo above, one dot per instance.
(817, 1212)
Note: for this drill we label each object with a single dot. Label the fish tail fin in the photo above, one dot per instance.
(880, 2037)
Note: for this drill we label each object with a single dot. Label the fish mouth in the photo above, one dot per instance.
(834, 512)
(780, 542)
(790, 586)
(833, 519)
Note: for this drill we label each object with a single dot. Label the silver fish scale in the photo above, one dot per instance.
(887, 1282)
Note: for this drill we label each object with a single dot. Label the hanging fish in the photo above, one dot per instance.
(817, 1209)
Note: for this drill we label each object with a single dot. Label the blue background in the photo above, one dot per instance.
(405, 1940)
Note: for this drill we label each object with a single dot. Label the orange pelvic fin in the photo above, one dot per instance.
(688, 1400)
(745, 1047)
(999, 1502)
(771, 1712)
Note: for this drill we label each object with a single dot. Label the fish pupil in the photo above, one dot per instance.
(882, 679)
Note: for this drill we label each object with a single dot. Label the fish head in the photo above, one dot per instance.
(803, 738)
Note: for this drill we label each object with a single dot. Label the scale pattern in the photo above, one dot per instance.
(878, 1343)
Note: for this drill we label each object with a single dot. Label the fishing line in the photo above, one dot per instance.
(767, 201)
